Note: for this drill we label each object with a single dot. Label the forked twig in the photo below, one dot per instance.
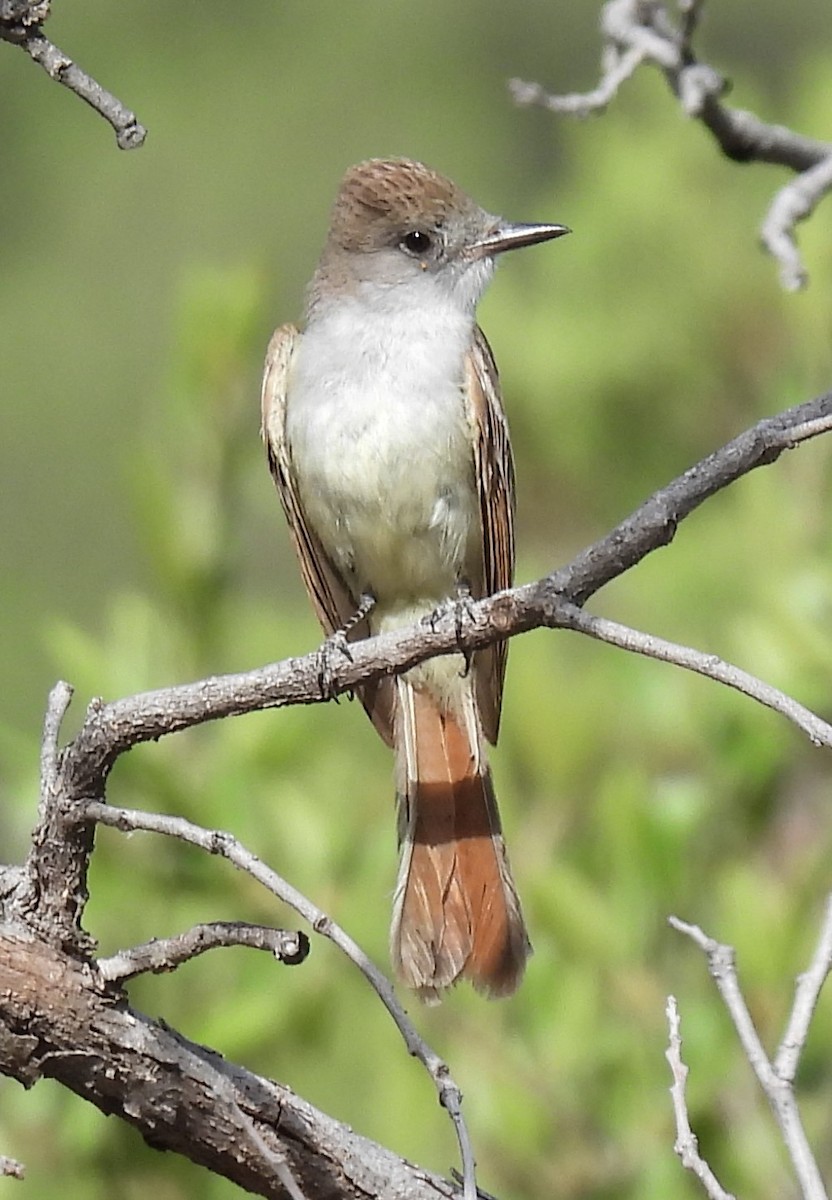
(228, 847)
(636, 33)
(777, 1088)
(806, 996)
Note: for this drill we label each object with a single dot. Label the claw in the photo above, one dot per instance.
(334, 645)
(338, 643)
(461, 606)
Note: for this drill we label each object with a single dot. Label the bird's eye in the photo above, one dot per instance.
(417, 242)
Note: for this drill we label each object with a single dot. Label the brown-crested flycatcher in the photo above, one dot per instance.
(388, 444)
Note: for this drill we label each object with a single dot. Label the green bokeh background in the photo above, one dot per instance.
(141, 545)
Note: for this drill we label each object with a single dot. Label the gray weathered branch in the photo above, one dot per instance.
(687, 1144)
(60, 1020)
(635, 34)
(216, 841)
(166, 954)
(778, 1087)
(20, 24)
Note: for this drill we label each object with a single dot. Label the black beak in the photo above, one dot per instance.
(511, 237)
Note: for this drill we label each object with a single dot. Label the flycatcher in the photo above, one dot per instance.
(388, 444)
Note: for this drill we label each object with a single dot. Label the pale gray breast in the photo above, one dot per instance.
(381, 443)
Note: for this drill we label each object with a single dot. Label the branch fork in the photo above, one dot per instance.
(42, 905)
(638, 33)
(776, 1076)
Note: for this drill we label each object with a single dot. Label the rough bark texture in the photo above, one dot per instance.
(59, 1021)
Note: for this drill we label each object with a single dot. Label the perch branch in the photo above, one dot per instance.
(50, 894)
(55, 891)
(111, 729)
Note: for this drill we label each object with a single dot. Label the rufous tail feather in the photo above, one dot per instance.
(456, 912)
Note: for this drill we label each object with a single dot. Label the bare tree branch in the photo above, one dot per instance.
(58, 1019)
(166, 954)
(54, 889)
(223, 844)
(805, 1001)
(687, 1145)
(794, 202)
(778, 1090)
(709, 665)
(20, 24)
(634, 34)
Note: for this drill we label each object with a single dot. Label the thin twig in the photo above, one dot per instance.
(166, 954)
(793, 203)
(130, 134)
(635, 34)
(580, 104)
(227, 846)
(687, 1145)
(632, 34)
(709, 665)
(654, 523)
(57, 704)
(806, 996)
(778, 1091)
(690, 12)
(721, 962)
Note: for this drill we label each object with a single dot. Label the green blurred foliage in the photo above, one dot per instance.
(142, 544)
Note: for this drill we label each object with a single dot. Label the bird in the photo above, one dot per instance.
(387, 441)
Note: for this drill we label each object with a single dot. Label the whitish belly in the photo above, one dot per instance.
(389, 489)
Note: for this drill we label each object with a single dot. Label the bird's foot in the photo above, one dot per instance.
(460, 606)
(337, 646)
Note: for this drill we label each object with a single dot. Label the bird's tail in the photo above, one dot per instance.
(456, 911)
